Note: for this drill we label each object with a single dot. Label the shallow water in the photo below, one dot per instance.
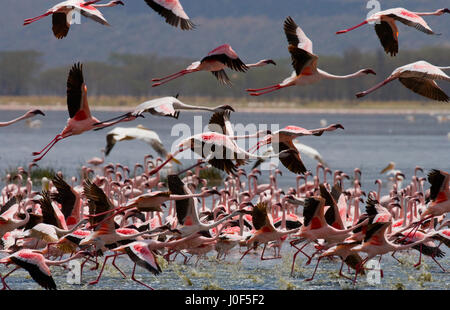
(369, 142)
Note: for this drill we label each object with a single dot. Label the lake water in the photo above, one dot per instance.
(368, 142)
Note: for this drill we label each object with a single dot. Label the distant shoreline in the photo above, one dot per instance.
(244, 105)
(276, 110)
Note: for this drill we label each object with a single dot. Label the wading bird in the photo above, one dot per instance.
(80, 119)
(63, 12)
(281, 140)
(215, 62)
(303, 61)
(419, 77)
(387, 30)
(173, 12)
(27, 115)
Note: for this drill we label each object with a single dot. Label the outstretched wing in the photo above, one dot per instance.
(387, 37)
(98, 203)
(300, 48)
(64, 196)
(60, 26)
(425, 87)
(173, 12)
(411, 19)
(142, 256)
(226, 55)
(186, 208)
(75, 83)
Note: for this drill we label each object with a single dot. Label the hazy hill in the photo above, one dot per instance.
(252, 27)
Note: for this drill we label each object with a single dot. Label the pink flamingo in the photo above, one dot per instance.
(419, 77)
(215, 62)
(80, 119)
(303, 61)
(36, 265)
(173, 12)
(62, 14)
(387, 30)
(282, 141)
(264, 230)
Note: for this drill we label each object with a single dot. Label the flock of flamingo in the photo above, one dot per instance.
(146, 214)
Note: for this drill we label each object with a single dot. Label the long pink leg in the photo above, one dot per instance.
(264, 88)
(169, 76)
(171, 79)
(117, 267)
(103, 267)
(295, 255)
(350, 29)
(420, 257)
(34, 19)
(315, 269)
(246, 252)
(358, 268)
(51, 142)
(340, 271)
(267, 91)
(45, 153)
(136, 280)
(5, 286)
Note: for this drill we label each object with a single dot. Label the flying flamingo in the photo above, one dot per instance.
(80, 119)
(173, 12)
(165, 106)
(282, 140)
(215, 62)
(419, 77)
(265, 230)
(62, 14)
(387, 30)
(137, 133)
(142, 254)
(27, 115)
(218, 150)
(36, 265)
(187, 211)
(303, 61)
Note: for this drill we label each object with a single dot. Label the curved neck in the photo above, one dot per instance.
(4, 124)
(339, 77)
(60, 231)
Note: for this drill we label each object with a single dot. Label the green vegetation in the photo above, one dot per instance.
(124, 79)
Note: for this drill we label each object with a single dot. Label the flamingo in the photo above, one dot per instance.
(387, 30)
(62, 14)
(80, 119)
(139, 133)
(27, 115)
(187, 210)
(173, 12)
(36, 265)
(375, 240)
(265, 230)
(165, 106)
(218, 150)
(215, 62)
(97, 161)
(282, 141)
(304, 62)
(419, 77)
